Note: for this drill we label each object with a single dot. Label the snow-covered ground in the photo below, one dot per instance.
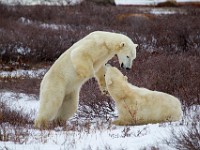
(96, 136)
(101, 137)
(165, 11)
(20, 73)
(100, 134)
(147, 2)
(138, 2)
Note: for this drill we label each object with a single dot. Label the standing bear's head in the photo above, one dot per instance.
(127, 53)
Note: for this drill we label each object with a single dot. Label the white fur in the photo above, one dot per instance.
(139, 105)
(59, 91)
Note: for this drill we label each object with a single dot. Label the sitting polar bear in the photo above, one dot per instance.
(139, 105)
(59, 90)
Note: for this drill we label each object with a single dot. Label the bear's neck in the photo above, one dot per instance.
(119, 90)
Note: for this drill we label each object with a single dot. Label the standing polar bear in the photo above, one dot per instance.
(59, 89)
(139, 105)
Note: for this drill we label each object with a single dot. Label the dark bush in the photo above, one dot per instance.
(170, 3)
(100, 105)
(176, 74)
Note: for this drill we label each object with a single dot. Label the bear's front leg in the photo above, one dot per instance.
(84, 71)
(100, 77)
(83, 64)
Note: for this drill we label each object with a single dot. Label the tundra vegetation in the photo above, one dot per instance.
(168, 56)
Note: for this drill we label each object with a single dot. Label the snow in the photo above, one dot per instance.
(83, 133)
(147, 2)
(51, 26)
(101, 137)
(27, 104)
(20, 73)
(23, 51)
(40, 24)
(95, 136)
(40, 2)
(162, 12)
(137, 2)
(86, 134)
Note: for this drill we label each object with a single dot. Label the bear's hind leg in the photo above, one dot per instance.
(68, 108)
(49, 106)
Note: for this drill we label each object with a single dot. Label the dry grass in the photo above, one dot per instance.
(186, 139)
(13, 125)
(168, 63)
(13, 117)
(23, 27)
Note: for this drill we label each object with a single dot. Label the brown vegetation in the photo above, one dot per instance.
(168, 52)
(168, 57)
(32, 28)
(13, 117)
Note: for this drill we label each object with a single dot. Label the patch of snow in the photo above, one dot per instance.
(24, 103)
(41, 2)
(51, 26)
(148, 2)
(165, 11)
(138, 2)
(23, 73)
(23, 51)
(162, 12)
(24, 20)
(180, 1)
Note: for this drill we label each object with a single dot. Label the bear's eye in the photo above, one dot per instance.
(127, 56)
(104, 75)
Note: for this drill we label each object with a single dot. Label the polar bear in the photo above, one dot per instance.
(59, 89)
(138, 106)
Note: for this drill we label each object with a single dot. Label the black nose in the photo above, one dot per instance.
(122, 65)
(128, 68)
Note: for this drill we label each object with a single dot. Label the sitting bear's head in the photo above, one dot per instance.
(114, 76)
(127, 53)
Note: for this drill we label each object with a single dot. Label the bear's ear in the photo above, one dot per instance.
(136, 45)
(122, 44)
